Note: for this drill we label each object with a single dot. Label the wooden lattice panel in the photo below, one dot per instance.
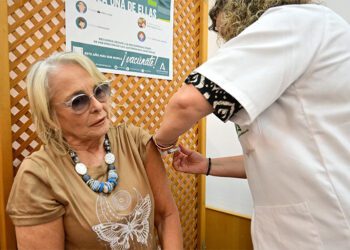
(37, 29)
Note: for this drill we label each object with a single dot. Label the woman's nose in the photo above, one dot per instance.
(95, 104)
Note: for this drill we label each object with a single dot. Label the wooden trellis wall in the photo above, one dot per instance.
(34, 29)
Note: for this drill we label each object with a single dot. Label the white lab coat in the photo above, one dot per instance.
(290, 70)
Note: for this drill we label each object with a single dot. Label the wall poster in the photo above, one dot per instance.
(131, 37)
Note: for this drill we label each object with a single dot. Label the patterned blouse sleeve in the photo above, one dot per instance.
(225, 106)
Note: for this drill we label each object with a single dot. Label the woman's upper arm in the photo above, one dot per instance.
(166, 216)
(44, 236)
(159, 183)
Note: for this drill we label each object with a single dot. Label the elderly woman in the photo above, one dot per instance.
(283, 78)
(91, 185)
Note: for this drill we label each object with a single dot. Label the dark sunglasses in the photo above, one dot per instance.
(80, 103)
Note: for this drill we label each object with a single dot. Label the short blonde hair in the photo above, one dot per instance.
(239, 14)
(38, 90)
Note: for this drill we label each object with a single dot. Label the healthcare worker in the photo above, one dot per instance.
(283, 77)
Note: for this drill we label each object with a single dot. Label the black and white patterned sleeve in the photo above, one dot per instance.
(225, 106)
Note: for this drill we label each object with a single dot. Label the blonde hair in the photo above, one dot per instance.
(38, 89)
(239, 14)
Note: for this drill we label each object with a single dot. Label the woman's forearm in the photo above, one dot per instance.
(184, 109)
(189, 161)
(228, 167)
(169, 232)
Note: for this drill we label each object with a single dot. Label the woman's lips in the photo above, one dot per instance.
(98, 122)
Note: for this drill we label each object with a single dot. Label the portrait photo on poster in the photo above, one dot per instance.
(141, 22)
(141, 36)
(81, 23)
(81, 7)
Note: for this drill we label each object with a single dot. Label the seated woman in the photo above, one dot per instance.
(91, 185)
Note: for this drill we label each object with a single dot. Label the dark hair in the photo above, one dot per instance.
(214, 12)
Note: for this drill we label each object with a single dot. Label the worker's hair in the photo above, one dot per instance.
(239, 14)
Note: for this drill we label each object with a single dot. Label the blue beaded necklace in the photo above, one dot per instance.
(97, 186)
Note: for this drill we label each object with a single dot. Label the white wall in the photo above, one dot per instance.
(227, 193)
(342, 7)
(224, 193)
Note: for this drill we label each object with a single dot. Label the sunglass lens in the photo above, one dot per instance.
(102, 91)
(79, 103)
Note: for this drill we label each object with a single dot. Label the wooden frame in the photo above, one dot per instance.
(202, 125)
(16, 57)
(7, 236)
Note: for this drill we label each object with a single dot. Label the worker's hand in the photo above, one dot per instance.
(189, 161)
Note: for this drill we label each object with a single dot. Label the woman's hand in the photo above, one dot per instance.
(189, 161)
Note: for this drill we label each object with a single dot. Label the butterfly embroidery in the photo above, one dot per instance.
(134, 226)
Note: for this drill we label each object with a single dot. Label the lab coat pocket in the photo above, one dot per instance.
(248, 136)
(288, 227)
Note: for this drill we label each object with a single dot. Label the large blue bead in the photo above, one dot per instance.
(112, 174)
(95, 185)
(101, 187)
